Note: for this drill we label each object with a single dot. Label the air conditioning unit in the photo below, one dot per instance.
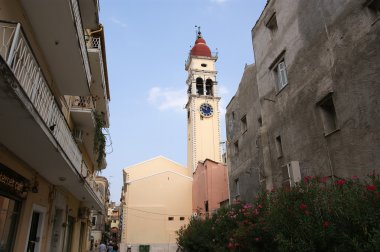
(78, 135)
(83, 213)
(291, 173)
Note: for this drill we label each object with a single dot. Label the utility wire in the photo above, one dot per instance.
(181, 215)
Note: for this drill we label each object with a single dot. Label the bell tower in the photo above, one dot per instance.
(203, 127)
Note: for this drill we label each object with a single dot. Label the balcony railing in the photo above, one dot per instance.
(91, 181)
(83, 102)
(19, 56)
(82, 43)
(95, 43)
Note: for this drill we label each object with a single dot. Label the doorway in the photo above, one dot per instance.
(35, 229)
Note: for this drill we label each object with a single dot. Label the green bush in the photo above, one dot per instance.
(319, 214)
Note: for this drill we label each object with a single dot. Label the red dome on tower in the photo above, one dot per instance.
(200, 48)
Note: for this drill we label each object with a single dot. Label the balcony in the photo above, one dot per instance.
(82, 111)
(57, 26)
(33, 126)
(90, 13)
(99, 79)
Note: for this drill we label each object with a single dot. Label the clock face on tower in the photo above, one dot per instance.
(206, 110)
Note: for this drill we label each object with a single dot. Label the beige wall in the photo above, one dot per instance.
(204, 133)
(44, 201)
(156, 190)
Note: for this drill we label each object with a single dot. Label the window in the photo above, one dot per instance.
(281, 75)
(279, 147)
(9, 215)
(272, 23)
(93, 220)
(373, 5)
(181, 218)
(236, 146)
(204, 65)
(243, 124)
(199, 84)
(328, 114)
(233, 115)
(209, 87)
(171, 218)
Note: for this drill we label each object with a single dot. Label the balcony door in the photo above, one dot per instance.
(35, 230)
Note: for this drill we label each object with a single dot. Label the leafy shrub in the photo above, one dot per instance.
(319, 214)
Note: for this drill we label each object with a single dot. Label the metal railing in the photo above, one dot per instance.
(82, 43)
(94, 43)
(91, 181)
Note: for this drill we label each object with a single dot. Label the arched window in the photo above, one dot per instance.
(209, 87)
(199, 82)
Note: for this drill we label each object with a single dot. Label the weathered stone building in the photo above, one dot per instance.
(245, 160)
(318, 78)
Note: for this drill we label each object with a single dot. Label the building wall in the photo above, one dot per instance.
(52, 199)
(46, 200)
(155, 190)
(244, 151)
(331, 52)
(210, 184)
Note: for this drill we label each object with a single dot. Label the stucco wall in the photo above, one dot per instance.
(156, 190)
(209, 184)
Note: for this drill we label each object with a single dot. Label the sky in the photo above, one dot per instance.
(147, 43)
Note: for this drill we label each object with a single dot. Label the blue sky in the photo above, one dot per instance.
(147, 43)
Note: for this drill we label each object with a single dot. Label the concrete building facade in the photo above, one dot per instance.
(52, 69)
(210, 187)
(317, 80)
(156, 203)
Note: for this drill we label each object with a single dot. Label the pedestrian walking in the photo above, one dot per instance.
(102, 247)
(110, 247)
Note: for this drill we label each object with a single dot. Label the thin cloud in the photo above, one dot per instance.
(118, 22)
(223, 92)
(167, 98)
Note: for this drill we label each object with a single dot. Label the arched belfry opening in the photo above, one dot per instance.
(199, 86)
(209, 84)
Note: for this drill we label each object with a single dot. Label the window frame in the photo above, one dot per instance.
(328, 113)
(277, 67)
(244, 124)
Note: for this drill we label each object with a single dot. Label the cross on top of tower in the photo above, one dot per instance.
(198, 33)
(200, 48)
